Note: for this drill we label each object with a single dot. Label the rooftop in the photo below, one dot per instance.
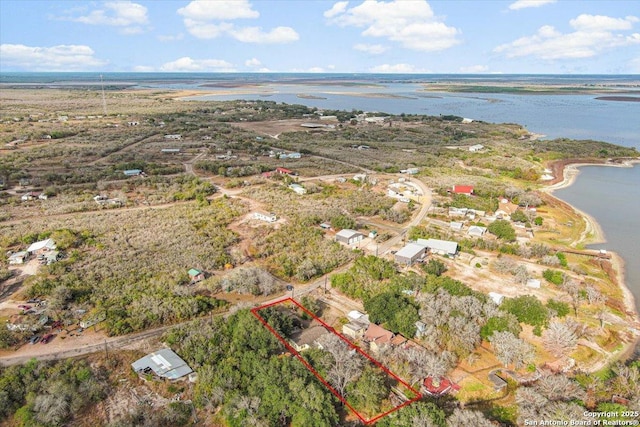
(411, 250)
(164, 363)
(347, 233)
(42, 244)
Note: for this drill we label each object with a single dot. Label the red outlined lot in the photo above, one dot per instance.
(366, 421)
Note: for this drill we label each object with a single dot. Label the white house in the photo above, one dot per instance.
(174, 136)
(475, 148)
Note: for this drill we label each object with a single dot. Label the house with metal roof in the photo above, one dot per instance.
(42, 246)
(349, 237)
(163, 363)
(410, 253)
(476, 231)
(195, 275)
(441, 247)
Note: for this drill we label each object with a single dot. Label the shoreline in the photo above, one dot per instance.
(567, 173)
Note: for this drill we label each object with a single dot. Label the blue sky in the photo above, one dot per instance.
(403, 36)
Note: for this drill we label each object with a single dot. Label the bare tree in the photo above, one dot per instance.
(559, 339)
(594, 296)
(462, 417)
(573, 289)
(345, 366)
(510, 349)
(521, 274)
(559, 388)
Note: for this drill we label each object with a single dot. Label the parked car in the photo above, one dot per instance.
(56, 324)
(33, 301)
(24, 307)
(45, 339)
(34, 339)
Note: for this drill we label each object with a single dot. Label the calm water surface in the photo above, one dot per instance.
(612, 196)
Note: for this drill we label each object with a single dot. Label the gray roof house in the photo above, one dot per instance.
(442, 247)
(410, 253)
(348, 236)
(476, 230)
(164, 363)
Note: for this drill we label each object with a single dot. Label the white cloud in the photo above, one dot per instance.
(253, 62)
(143, 69)
(602, 23)
(187, 64)
(206, 19)
(54, 58)
(397, 68)
(337, 9)
(593, 34)
(222, 10)
(523, 4)
(130, 17)
(170, 38)
(373, 49)
(412, 24)
(204, 30)
(475, 69)
(256, 35)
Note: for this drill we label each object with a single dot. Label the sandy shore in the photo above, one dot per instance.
(593, 231)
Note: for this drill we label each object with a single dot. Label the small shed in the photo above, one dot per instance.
(354, 330)
(195, 275)
(264, 216)
(496, 297)
(133, 172)
(410, 253)
(455, 226)
(533, 283)
(476, 231)
(18, 257)
(349, 237)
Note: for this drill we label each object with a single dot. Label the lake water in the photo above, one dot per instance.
(556, 116)
(612, 196)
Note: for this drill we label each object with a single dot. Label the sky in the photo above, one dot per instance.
(372, 36)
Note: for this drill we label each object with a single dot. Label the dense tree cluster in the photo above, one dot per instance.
(244, 378)
(49, 394)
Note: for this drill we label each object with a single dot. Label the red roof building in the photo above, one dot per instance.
(463, 189)
(284, 171)
(438, 387)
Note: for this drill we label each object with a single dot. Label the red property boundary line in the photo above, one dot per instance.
(255, 311)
